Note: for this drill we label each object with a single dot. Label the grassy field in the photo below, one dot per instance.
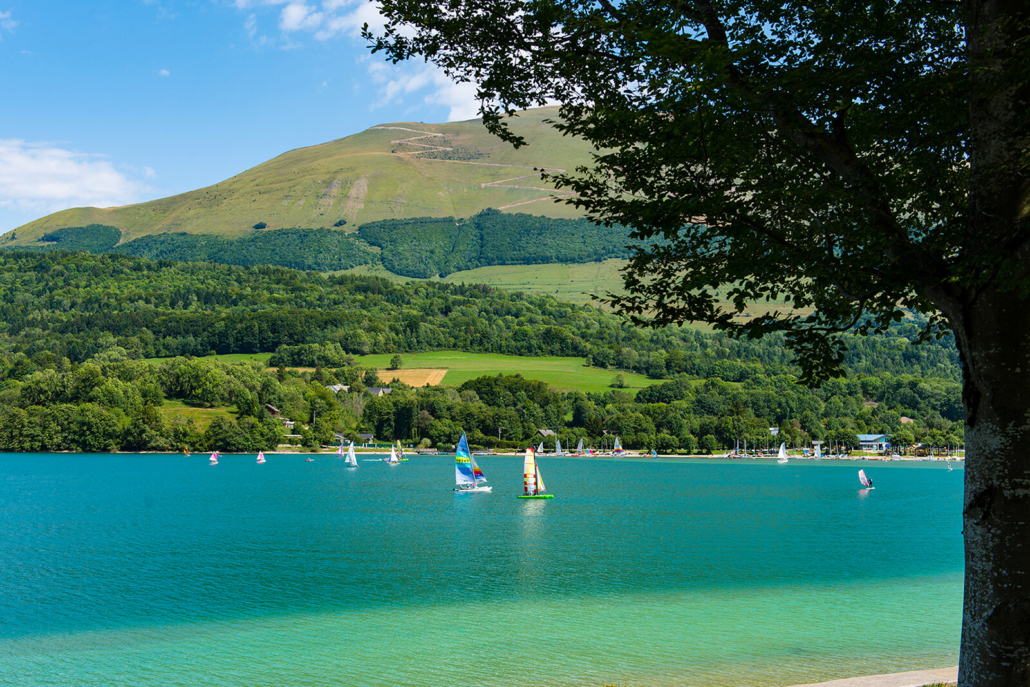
(202, 417)
(569, 283)
(561, 373)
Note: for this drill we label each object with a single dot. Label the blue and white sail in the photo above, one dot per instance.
(464, 474)
(352, 460)
(467, 475)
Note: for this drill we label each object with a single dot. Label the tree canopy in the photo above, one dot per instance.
(858, 158)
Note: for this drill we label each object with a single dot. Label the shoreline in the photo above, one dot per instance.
(914, 678)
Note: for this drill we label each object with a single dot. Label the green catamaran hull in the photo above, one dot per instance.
(536, 496)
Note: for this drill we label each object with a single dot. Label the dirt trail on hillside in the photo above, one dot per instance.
(552, 194)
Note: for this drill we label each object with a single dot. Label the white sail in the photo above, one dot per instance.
(579, 446)
(393, 456)
(863, 479)
(818, 451)
(557, 446)
(782, 455)
(618, 445)
(352, 460)
(540, 488)
(540, 449)
(529, 472)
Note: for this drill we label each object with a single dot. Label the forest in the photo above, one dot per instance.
(425, 247)
(79, 335)
(422, 247)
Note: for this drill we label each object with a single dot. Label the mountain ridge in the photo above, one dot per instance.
(452, 169)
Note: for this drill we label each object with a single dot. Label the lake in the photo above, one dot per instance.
(163, 570)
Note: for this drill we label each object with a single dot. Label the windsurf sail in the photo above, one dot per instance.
(782, 454)
(863, 479)
(529, 472)
(464, 473)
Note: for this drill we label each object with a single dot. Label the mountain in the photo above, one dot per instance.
(391, 171)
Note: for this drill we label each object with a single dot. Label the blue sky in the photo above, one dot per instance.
(110, 102)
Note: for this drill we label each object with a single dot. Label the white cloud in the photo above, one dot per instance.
(164, 72)
(42, 177)
(298, 16)
(6, 23)
(395, 81)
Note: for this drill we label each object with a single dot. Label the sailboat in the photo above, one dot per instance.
(261, 457)
(866, 482)
(617, 450)
(467, 475)
(392, 460)
(400, 451)
(557, 447)
(540, 449)
(782, 455)
(352, 460)
(579, 448)
(818, 452)
(654, 454)
(533, 483)
(214, 458)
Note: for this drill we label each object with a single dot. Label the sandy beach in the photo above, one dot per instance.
(915, 678)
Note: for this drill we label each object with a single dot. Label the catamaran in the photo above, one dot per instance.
(617, 449)
(260, 457)
(467, 475)
(214, 458)
(866, 482)
(352, 460)
(782, 455)
(533, 483)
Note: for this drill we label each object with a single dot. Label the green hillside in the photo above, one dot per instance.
(392, 171)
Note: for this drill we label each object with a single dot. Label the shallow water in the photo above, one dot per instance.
(163, 570)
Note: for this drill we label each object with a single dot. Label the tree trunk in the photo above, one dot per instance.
(994, 340)
(992, 330)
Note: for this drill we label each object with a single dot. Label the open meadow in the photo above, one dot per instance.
(560, 373)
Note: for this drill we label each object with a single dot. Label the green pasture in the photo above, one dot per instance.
(561, 373)
(202, 417)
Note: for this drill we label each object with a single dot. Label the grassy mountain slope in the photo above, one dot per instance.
(398, 170)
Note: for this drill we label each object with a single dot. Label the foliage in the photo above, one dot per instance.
(303, 249)
(95, 238)
(429, 246)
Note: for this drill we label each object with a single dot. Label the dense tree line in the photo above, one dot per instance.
(429, 246)
(303, 249)
(48, 403)
(79, 305)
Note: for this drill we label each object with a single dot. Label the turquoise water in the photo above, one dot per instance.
(163, 570)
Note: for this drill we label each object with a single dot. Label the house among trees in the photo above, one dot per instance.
(379, 390)
(366, 439)
(874, 442)
(337, 388)
(545, 433)
(273, 411)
